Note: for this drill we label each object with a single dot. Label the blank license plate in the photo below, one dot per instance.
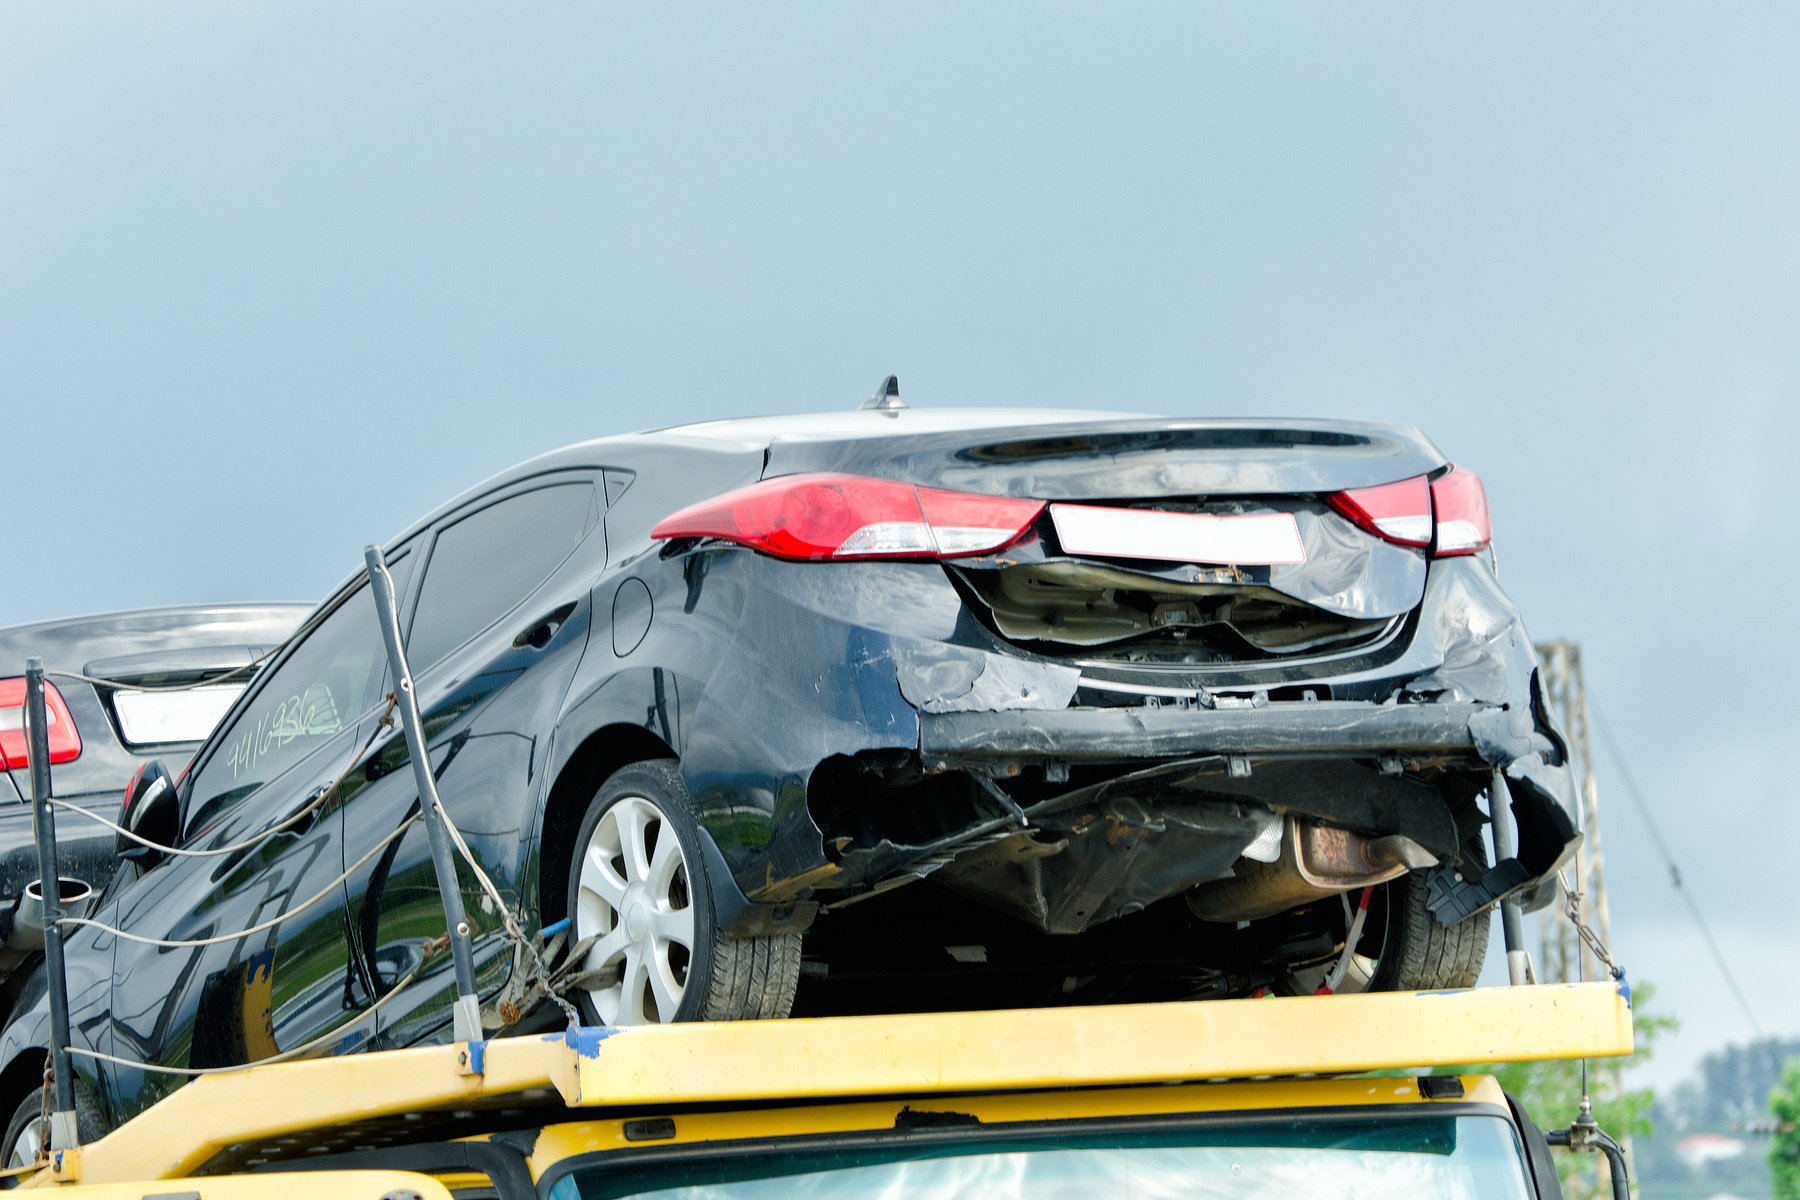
(1252, 540)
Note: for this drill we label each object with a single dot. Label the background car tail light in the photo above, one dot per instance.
(1463, 524)
(65, 741)
(1397, 512)
(1449, 513)
(825, 516)
(130, 788)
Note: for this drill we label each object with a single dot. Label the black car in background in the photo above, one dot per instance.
(172, 672)
(876, 710)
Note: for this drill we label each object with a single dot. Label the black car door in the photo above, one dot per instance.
(493, 639)
(276, 976)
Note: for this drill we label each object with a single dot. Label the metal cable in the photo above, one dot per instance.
(481, 876)
(1334, 978)
(512, 929)
(220, 939)
(324, 1039)
(1662, 848)
(209, 681)
(539, 968)
(312, 806)
(176, 851)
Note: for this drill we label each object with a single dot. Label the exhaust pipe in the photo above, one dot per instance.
(27, 933)
(1315, 861)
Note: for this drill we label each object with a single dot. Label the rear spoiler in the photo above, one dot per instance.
(162, 667)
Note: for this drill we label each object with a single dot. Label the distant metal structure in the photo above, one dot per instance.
(1564, 959)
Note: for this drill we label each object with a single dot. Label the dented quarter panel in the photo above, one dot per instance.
(939, 678)
(773, 667)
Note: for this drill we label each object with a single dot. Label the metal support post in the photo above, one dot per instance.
(64, 1132)
(1506, 845)
(466, 1016)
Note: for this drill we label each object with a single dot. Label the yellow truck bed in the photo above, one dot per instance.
(615, 1071)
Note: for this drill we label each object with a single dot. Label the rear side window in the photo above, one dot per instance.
(321, 688)
(489, 561)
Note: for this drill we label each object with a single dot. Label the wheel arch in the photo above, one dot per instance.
(600, 754)
(21, 1076)
(618, 717)
(25, 1039)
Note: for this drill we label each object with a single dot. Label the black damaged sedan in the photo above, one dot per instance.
(858, 712)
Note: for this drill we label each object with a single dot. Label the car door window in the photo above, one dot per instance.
(323, 687)
(487, 562)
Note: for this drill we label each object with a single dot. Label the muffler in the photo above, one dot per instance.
(27, 932)
(1315, 861)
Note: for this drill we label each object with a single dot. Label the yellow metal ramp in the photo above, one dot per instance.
(866, 1056)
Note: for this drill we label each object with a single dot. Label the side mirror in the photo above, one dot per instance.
(151, 811)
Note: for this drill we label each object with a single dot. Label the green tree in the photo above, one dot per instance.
(1784, 1155)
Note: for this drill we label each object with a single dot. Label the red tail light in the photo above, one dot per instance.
(1463, 524)
(815, 517)
(1397, 512)
(65, 742)
(125, 802)
(1449, 513)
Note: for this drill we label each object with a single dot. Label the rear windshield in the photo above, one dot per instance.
(1472, 1157)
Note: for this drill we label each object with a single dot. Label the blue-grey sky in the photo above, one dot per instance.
(275, 278)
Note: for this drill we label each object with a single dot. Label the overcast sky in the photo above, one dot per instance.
(277, 278)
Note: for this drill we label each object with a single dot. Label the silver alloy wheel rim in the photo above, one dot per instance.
(633, 892)
(28, 1146)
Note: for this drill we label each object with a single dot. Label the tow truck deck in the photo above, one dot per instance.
(526, 1108)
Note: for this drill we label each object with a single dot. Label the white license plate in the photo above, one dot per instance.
(148, 718)
(1251, 540)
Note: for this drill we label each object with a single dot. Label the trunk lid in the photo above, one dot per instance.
(1037, 455)
(1308, 580)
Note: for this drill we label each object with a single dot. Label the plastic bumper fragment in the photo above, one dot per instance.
(1319, 729)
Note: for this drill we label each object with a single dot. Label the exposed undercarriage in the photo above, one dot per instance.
(926, 947)
(1118, 845)
(1066, 847)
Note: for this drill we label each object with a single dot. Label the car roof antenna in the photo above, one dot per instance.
(887, 397)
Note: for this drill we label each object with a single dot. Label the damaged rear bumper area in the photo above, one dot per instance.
(1251, 783)
(1066, 790)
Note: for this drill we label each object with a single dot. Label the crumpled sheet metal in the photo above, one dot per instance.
(1482, 649)
(1460, 694)
(1078, 868)
(1086, 856)
(1346, 571)
(937, 678)
(1343, 729)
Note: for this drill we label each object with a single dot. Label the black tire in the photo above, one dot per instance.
(723, 978)
(1416, 951)
(31, 1110)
